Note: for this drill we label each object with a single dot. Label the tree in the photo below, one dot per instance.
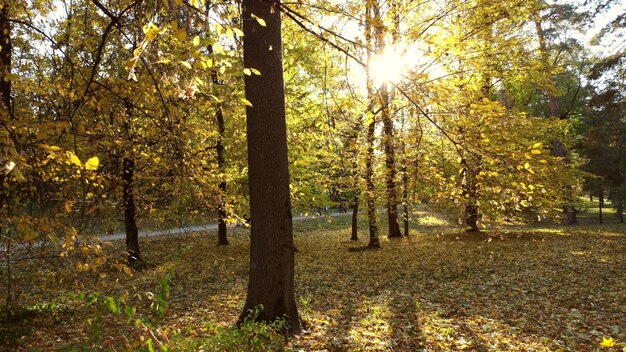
(370, 194)
(271, 277)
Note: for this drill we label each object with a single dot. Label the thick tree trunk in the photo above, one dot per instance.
(128, 202)
(271, 277)
(619, 210)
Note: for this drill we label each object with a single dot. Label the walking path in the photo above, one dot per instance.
(205, 227)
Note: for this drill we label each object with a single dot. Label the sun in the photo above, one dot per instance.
(388, 67)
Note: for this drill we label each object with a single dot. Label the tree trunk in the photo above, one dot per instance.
(470, 190)
(271, 277)
(355, 218)
(353, 140)
(390, 164)
(222, 237)
(371, 191)
(600, 203)
(405, 199)
(558, 149)
(370, 194)
(128, 202)
(471, 211)
(5, 60)
(619, 210)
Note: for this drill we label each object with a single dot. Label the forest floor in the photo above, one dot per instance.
(519, 288)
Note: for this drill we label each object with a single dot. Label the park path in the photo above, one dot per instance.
(205, 227)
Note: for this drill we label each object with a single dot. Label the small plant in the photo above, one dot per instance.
(249, 335)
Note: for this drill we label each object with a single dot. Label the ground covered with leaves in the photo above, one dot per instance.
(513, 289)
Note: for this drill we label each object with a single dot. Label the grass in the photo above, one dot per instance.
(518, 288)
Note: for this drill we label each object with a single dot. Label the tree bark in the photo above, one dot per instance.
(558, 149)
(128, 202)
(355, 218)
(470, 188)
(222, 236)
(222, 239)
(271, 276)
(619, 210)
(405, 199)
(5, 60)
(370, 194)
(390, 164)
(600, 203)
(371, 191)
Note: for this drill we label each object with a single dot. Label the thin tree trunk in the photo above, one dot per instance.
(371, 191)
(353, 140)
(390, 164)
(271, 278)
(355, 218)
(374, 242)
(619, 210)
(405, 199)
(388, 141)
(222, 237)
(471, 208)
(600, 203)
(5, 60)
(558, 149)
(7, 106)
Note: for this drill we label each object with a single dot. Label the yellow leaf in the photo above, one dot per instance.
(73, 158)
(238, 32)
(537, 145)
(607, 342)
(526, 166)
(181, 34)
(260, 20)
(536, 151)
(151, 31)
(229, 33)
(246, 102)
(218, 49)
(247, 72)
(186, 64)
(92, 163)
(196, 40)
